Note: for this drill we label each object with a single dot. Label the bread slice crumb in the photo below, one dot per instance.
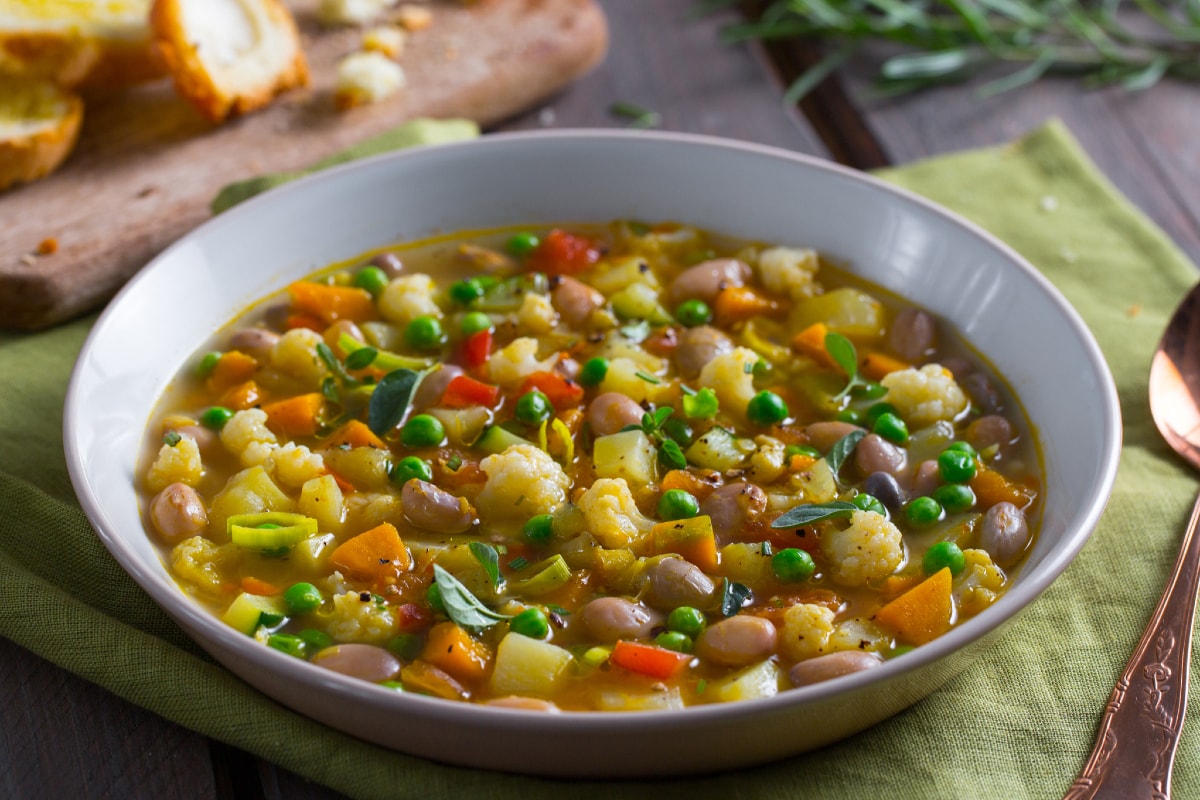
(229, 56)
(367, 78)
(39, 123)
(386, 39)
(351, 12)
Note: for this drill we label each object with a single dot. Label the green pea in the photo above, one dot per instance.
(923, 511)
(422, 430)
(208, 362)
(851, 415)
(474, 322)
(878, 410)
(216, 417)
(954, 497)
(793, 564)
(955, 466)
(288, 643)
(800, 450)
(466, 291)
(407, 645)
(963, 447)
(522, 244)
(870, 391)
(687, 620)
(674, 640)
(593, 371)
(531, 622)
(411, 467)
(315, 640)
(891, 427)
(302, 598)
(539, 530)
(372, 278)
(395, 686)
(767, 408)
(942, 555)
(868, 502)
(677, 504)
(691, 313)
(433, 596)
(424, 333)
(533, 408)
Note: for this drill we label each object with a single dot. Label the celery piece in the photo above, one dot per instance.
(549, 575)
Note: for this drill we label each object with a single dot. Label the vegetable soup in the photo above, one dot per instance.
(591, 468)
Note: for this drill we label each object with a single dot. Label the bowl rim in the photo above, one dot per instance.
(188, 613)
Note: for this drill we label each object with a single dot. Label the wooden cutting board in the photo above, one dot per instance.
(147, 165)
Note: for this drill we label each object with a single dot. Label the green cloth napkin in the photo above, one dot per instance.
(1018, 724)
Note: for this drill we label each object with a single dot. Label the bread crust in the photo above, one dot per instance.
(34, 155)
(211, 96)
(74, 58)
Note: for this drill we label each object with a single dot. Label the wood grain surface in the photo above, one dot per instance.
(147, 164)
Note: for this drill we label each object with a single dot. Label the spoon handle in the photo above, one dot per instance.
(1135, 746)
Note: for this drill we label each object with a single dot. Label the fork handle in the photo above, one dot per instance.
(1135, 746)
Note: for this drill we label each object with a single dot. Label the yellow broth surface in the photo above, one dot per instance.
(592, 468)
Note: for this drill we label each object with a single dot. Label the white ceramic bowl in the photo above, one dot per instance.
(894, 239)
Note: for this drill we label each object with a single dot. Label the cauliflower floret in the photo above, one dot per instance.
(367, 78)
(523, 481)
(611, 515)
(511, 365)
(979, 584)
(537, 314)
(295, 354)
(178, 463)
(351, 12)
(767, 464)
(202, 564)
(294, 464)
(247, 436)
(360, 617)
(730, 376)
(806, 631)
(925, 395)
(870, 549)
(407, 297)
(789, 271)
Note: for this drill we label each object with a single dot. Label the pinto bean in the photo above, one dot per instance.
(927, 478)
(573, 300)
(989, 431)
(737, 641)
(434, 509)
(430, 390)
(611, 411)
(886, 489)
(832, 665)
(983, 392)
(365, 661)
(876, 454)
(674, 582)
(613, 618)
(335, 331)
(524, 704)
(707, 278)
(256, 342)
(824, 435)
(177, 513)
(1004, 533)
(733, 505)
(913, 336)
(698, 346)
(390, 263)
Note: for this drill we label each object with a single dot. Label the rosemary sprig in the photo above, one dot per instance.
(1130, 43)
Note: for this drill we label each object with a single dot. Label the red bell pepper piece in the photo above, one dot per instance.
(562, 253)
(477, 348)
(464, 391)
(562, 392)
(645, 659)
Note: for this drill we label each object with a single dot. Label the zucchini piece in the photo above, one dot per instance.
(497, 439)
(248, 611)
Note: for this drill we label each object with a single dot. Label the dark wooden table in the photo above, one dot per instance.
(62, 737)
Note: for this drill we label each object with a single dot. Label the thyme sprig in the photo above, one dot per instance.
(1129, 43)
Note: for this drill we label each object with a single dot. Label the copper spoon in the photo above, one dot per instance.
(1135, 746)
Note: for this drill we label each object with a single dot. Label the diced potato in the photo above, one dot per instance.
(250, 491)
(627, 455)
(640, 301)
(365, 467)
(628, 377)
(322, 499)
(639, 701)
(745, 563)
(816, 484)
(759, 680)
(615, 347)
(720, 450)
(463, 425)
(312, 554)
(526, 666)
(615, 275)
(846, 311)
(366, 510)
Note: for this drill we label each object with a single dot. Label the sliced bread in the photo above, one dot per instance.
(39, 123)
(229, 56)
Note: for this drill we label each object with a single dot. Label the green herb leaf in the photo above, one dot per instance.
(672, 454)
(361, 358)
(647, 377)
(639, 117)
(454, 462)
(462, 606)
(171, 438)
(390, 400)
(519, 563)
(809, 513)
(330, 391)
(489, 559)
(842, 449)
(733, 597)
(330, 361)
(701, 405)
